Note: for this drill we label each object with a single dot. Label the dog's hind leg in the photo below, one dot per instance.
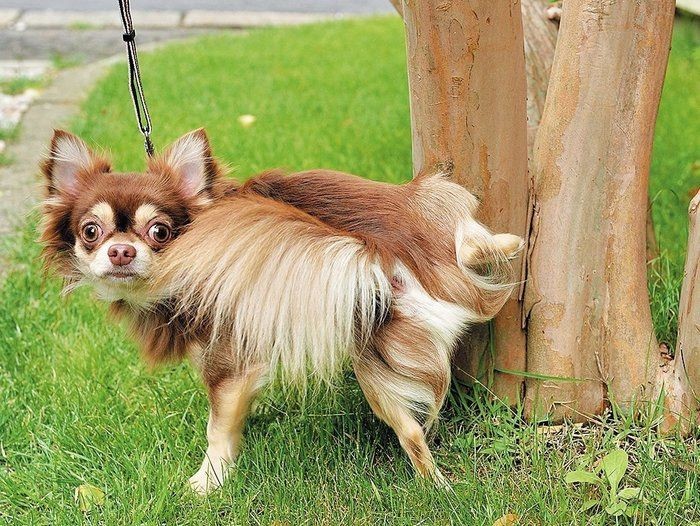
(405, 378)
(230, 399)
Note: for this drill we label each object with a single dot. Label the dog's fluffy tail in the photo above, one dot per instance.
(276, 287)
(483, 258)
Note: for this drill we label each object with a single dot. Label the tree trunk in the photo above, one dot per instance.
(588, 315)
(474, 361)
(680, 377)
(540, 41)
(467, 87)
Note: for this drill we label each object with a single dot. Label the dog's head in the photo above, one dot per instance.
(107, 228)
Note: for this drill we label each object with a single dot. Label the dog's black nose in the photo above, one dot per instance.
(121, 255)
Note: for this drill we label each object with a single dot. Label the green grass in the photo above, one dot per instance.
(675, 173)
(19, 85)
(676, 157)
(77, 405)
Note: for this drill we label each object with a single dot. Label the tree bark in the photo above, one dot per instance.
(588, 315)
(680, 377)
(475, 361)
(540, 41)
(467, 86)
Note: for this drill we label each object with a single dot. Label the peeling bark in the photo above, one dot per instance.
(540, 41)
(586, 298)
(467, 86)
(540, 37)
(680, 378)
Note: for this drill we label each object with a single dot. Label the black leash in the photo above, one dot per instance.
(135, 86)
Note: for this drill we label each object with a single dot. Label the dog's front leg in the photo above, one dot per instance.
(230, 401)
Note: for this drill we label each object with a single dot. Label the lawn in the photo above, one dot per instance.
(78, 407)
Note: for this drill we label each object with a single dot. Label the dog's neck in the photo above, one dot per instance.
(136, 296)
(162, 334)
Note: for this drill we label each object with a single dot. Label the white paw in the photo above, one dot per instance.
(440, 480)
(206, 480)
(510, 244)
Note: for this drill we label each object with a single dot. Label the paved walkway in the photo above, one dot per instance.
(50, 18)
(82, 46)
(298, 6)
(19, 182)
(94, 31)
(691, 6)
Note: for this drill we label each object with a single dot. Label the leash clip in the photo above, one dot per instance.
(148, 146)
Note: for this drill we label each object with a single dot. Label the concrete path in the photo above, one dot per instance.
(298, 6)
(50, 18)
(79, 46)
(690, 6)
(19, 184)
(94, 31)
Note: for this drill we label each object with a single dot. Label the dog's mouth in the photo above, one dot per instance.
(121, 276)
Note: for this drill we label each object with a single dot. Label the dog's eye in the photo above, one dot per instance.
(159, 232)
(91, 233)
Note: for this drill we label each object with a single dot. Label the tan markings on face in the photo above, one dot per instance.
(143, 215)
(96, 266)
(104, 213)
(83, 257)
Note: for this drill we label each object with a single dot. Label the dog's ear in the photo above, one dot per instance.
(190, 160)
(68, 161)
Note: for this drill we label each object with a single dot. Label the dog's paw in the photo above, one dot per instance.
(510, 244)
(440, 480)
(204, 482)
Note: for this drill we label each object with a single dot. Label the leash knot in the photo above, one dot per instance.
(143, 118)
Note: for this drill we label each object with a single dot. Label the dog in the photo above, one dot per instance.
(286, 277)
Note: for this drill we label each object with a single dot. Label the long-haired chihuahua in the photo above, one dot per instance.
(289, 277)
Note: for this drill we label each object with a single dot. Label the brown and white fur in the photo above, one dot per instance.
(290, 277)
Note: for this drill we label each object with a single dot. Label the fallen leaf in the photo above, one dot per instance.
(88, 496)
(246, 120)
(509, 519)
